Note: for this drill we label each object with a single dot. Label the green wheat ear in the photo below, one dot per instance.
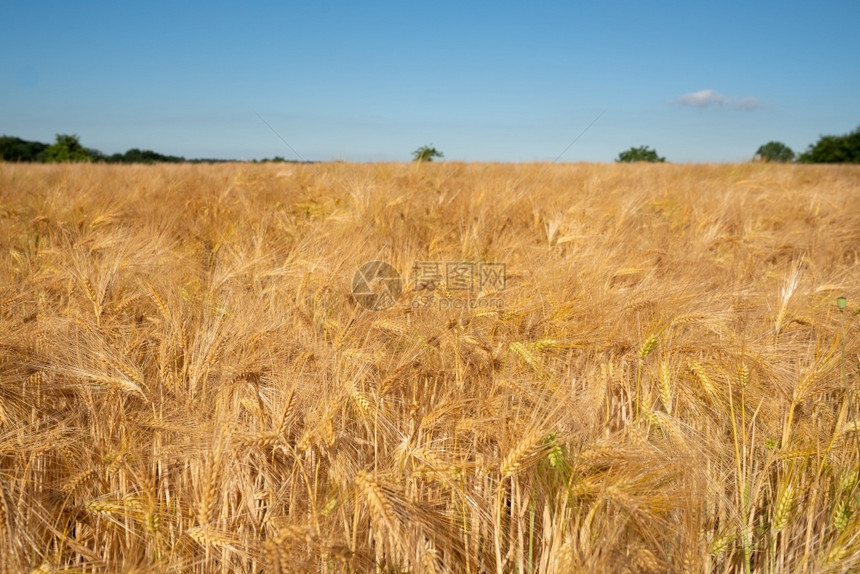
(841, 302)
(647, 346)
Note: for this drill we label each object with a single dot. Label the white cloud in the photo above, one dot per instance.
(703, 99)
(708, 98)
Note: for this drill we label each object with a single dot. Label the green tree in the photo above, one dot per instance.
(642, 153)
(67, 148)
(834, 149)
(426, 153)
(135, 155)
(16, 149)
(775, 151)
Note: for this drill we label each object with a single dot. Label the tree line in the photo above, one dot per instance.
(828, 149)
(68, 148)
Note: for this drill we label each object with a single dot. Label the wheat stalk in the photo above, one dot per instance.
(211, 486)
(665, 386)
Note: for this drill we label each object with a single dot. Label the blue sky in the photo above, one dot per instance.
(481, 81)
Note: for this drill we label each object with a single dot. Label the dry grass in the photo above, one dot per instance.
(186, 384)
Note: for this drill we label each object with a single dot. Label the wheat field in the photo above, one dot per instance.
(188, 385)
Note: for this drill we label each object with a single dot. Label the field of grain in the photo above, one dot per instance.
(669, 385)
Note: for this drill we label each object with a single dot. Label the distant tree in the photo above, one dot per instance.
(96, 155)
(834, 149)
(775, 151)
(426, 153)
(642, 153)
(135, 155)
(16, 149)
(67, 148)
